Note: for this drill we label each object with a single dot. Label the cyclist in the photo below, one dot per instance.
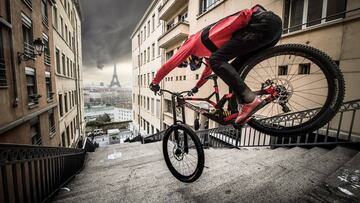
(237, 37)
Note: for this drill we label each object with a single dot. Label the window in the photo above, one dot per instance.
(55, 17)
(144, 56)
(153, 22)
(44, 12)
(33, 97)
(67, 66)
(159, 51)
(169, 54)
(62, 26)
(184, 77)
(47, 59)
(168, 106)
(27, 36)
(299, 14)
(153, 51)
(141, 37)
(207, 4)
(145, 33)
(141, 59)
(152, 106)
(3, 81)
(152, 75)
(66, 102)
(35, 131)
(57, 61)
(48, 85)
(183, 17)
(148, 28)
(138, 102)
(63, 142)
(152, 129)
(148, 104)
(148, 78)
(68, 135)
(170, 24)
(148, 56)
(304, 69)
(63, 64)
(51, 117)
(283, 70)
(61, 106)
(66, 33)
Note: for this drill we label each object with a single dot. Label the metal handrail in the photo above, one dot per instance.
(330, 134)
(34, 173)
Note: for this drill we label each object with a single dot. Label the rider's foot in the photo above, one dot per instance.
(248, 110)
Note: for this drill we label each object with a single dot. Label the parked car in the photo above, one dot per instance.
(98, 132)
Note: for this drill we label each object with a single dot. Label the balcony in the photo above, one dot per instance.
(170, 7)
(29, 50)
(45, 20)
(177, 33)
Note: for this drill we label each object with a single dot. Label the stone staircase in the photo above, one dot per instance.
(132, 172)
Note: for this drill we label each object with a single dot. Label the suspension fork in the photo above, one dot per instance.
(186, 147)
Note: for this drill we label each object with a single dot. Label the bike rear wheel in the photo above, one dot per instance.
(310, 84)
(183, 153)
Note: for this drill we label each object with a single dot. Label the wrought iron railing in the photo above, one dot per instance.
(28, 2)
(335, 132)
(29, 50)
(3, 81)
(45, 20)
(34, 173)
(47, 59)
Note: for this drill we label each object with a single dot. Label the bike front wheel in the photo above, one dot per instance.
(183, 153)
(310, 89)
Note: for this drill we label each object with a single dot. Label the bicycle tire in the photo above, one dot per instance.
(334, 78)
(200, 152)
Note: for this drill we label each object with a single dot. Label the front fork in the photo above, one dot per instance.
(176, 132)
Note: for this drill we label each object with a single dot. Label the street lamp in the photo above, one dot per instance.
(39, 47)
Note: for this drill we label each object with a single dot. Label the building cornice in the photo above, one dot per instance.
(148, 10)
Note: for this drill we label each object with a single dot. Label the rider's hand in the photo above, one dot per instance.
(154, 87)
(193, 91)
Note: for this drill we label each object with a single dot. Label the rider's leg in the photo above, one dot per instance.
(243, 42)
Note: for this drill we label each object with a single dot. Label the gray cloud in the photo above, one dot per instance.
(106, 29)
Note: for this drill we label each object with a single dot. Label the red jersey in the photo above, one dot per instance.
(219, 34)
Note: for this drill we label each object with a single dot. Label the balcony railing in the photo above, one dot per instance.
(28, 2)
(29, 50)
(47, 59)
(3, 81)
(52, 129)
(176, 34)
(45, 21)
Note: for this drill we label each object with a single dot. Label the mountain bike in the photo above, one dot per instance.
(299, 83)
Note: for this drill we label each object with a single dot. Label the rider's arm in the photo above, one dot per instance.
(183, 53)
(206, 72)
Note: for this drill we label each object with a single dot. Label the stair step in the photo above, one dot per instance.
(163, 184)
(341, 186)
(289, 186)
(164, 174)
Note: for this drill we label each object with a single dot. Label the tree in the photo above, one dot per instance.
(104, 118)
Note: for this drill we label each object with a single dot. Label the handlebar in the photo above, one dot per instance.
(177, 94)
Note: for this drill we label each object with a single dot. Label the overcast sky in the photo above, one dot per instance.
(106, 29)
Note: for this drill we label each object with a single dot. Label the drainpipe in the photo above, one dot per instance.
(13, 71)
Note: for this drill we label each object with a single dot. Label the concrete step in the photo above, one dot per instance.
(212, 182)
(288, 187)
(341, 186)
(147, 175)
(164, 183)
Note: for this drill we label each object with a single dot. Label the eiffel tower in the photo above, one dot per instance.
(115, 80)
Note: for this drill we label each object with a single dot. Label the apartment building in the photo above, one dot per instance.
(68, 70)
(146, 59)
(332, 26)
(28, 106)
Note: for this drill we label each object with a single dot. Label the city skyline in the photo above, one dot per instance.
(107, 26)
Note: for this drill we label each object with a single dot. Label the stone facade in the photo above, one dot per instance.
(28, 107)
